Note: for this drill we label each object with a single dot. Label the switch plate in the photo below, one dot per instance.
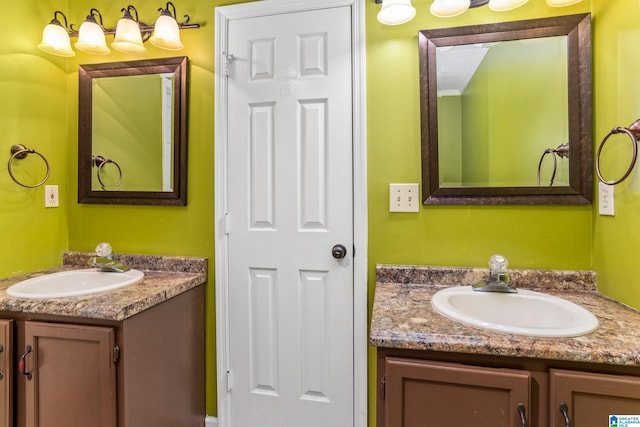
(404, 198)
(606, 200)
(51, 196)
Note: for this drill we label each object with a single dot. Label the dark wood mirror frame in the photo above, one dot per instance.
(577, 28)
(86, 73)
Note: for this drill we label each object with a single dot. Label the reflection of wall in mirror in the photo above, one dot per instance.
(126, 128)
(514, 107)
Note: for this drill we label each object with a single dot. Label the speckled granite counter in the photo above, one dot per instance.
(165, 277)
(404, 318)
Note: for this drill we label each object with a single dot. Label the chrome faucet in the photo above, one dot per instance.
(105, 262)
(498, 277)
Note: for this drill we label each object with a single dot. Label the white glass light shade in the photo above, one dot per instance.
(128, 38)
(396, 12)
(562, 3)
(91, 39)
(505, 5)
(55, 40)
(166, 33)
(449, 8)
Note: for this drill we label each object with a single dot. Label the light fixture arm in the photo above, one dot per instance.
(166, 11)
(56, 21)
(91, 17)
(145, 28)
(127, 13)
(174, 15)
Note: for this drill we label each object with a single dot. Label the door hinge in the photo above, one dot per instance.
(383, 387)
(227, 225)
(228, 381)
(228, 59)
(116, 354)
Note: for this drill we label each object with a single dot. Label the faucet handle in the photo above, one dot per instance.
(104, 250)
(498, 264)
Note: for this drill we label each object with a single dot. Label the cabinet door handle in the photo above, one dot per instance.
(521, 410)
(23, 364)
(564, 409)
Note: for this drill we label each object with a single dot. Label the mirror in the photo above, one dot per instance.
(132, 132)
(506, 112)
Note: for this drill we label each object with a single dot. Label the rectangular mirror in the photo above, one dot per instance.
(506, 112)
(132, 136)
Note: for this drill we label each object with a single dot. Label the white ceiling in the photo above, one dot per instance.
(456, 66)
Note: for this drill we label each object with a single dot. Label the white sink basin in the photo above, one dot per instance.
(525, 313)
(72, 283)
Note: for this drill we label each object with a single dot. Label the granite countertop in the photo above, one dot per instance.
(403, 317)
(164, 278)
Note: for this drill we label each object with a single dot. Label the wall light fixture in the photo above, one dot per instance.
(395, 12)
(129, 34)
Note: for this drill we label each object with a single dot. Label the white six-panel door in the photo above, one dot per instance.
(289, 202)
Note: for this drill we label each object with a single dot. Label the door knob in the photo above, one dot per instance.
(339, 251)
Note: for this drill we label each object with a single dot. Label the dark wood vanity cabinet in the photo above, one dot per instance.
(590, 398)
(439, 389)
(422, 393)
(70, 375)
(6, 372)
(146, 370)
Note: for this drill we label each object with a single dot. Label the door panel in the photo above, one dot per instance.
(290, 200)
(73, 380)
(6, 373)
(591, 398)
(422, 393)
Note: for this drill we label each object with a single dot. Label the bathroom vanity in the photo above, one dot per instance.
(129, 357)
(434, 371)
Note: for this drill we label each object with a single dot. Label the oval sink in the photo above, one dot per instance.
(524, 313)
(72, 283)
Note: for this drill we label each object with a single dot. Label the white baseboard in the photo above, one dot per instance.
(211, 422)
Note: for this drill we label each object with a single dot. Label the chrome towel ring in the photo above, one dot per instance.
(19, 151)
(100, 162)
(633, 132)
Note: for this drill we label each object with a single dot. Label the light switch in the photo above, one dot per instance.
(404, 198)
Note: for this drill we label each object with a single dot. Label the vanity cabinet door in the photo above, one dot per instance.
(6, 373)
(425, 394)
(70, 375)
(591, 398)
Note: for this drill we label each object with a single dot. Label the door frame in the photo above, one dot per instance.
(223, 15)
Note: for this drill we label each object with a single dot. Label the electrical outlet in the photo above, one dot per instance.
(606, 201)
(51, 196)
(404, 198)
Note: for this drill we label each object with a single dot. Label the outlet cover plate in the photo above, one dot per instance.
(606, 201)
(51, 199)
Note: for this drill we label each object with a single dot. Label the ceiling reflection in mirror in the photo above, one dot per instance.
(132, 132)
(500, 106)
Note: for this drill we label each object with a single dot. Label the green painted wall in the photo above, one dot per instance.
(38, 107)
(450, 140)
(617, 239)
(449, 235)
(32, 112)
(558, 237)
